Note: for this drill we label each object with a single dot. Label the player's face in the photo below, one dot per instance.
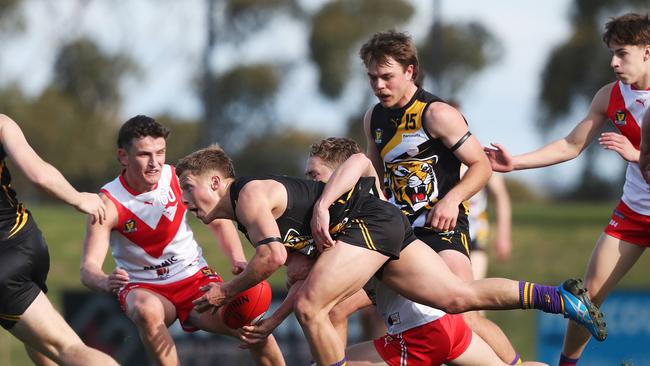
(630, 63)
(390, 82)
(316, 170)
(198, 194)
(143, 161)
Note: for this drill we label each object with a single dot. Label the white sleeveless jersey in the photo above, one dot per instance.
(152, 240)
(626, 110)
(401, 314)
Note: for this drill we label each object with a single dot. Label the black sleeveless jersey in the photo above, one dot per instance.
(294, 223)
(14, 217)
(418, 169)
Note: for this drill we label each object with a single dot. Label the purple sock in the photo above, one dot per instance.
(343, 362)
(565, 361)
(542, 297)
(517, 360)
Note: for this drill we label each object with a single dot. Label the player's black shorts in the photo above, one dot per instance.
(24, 264)
(457, 239)
(378, 225)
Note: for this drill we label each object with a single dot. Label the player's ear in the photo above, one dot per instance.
(215, 182)
(122, 156)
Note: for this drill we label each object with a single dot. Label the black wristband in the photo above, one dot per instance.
(269, 240)
(461, 141)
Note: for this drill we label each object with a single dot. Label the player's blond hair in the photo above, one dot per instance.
(211, 158)
(333, 151)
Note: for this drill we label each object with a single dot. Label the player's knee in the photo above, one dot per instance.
(143, 315)
(339, 314)
(455, 303)
(305, 309)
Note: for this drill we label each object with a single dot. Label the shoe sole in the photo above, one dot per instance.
(577, 289)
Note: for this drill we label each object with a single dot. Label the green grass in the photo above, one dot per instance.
(551, 242)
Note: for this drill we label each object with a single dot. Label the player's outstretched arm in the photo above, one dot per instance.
(571, 145)
(228, 239)
(43, 174)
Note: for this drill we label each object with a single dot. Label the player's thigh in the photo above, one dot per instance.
(422, 276)
(43, 328)
(363, 354)
(339, 272)
(478, 353)
(611, 259)
(144, 304)
(458, 263)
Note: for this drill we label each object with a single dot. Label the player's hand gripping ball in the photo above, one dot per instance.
(248, 307)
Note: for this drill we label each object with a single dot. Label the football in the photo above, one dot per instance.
(248, 307)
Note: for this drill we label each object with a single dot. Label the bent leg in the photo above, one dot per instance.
(611, 259)
(485, 328)
(422, 276)
(152, 313)
(339, 272)
(43, 329)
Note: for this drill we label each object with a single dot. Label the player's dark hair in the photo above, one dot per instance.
(629, 29)
(397, 45)
(137, 127)
(333, 151)
(210, 158)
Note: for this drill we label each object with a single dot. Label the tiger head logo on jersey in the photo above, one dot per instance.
(413, 183)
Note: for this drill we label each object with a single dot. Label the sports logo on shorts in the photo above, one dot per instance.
(619, 118)
(129, 226)
(378, 135)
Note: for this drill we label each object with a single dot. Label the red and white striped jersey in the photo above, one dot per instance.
(626, 109)
(152, 240)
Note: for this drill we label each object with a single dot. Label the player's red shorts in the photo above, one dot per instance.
(433, 343)
(180, 293)
(629, 226)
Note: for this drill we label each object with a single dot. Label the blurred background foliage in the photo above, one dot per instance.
(73, 121)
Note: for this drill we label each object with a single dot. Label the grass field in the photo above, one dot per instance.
(551, 242)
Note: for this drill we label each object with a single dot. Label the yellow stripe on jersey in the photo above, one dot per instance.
(366, 234)
(412, 114)
(347, 198)
(21, 219)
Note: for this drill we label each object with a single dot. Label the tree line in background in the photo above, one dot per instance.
(74, 120)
